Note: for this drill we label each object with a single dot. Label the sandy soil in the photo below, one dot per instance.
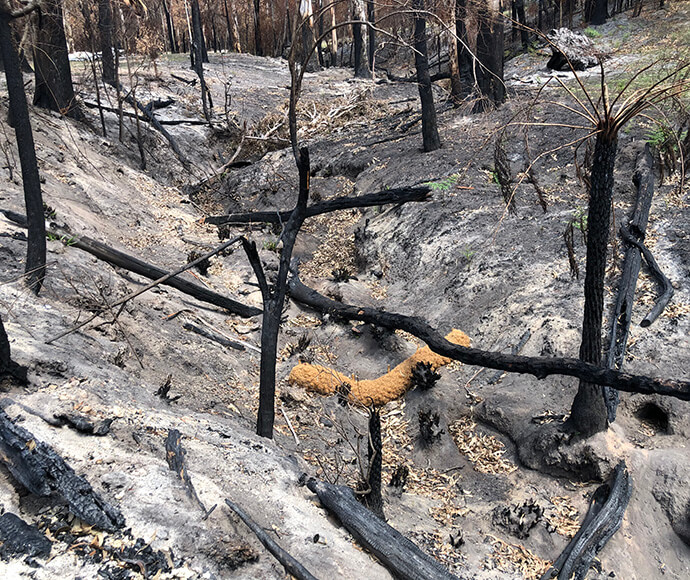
(459, 260)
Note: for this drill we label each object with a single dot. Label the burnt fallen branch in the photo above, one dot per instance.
(603, 519)
(37, 467)
(291, 565)
(622, 314)
(160, 276)
(666, 286)
(133, 115)
(402, 557)
(17, 537)
(514, 349)
(214, 336)
(401, 195)
(540, 367)
(175, 456)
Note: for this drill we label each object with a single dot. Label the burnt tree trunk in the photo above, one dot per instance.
(489, 68)
(521, 19)
(588, 414)
(258, 45)
(54, 89)
(430, 138)
(465, 58)
(359, 34)
(197, 48)
(105, 30)
(599, 12)
(273, 299)
(19, 111)
(371, 17)
(622, 315)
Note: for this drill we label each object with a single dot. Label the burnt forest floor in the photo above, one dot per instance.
(459, 260)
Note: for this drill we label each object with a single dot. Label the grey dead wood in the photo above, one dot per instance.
(291, 565)
(402, 557)
(540, 367)
(37, 467)
(604, 517)
(160, 276)
(401, 195)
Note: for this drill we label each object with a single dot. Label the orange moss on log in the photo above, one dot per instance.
(393, 385)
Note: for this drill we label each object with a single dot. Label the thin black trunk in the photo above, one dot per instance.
(521, 21)
(258, 45)
(588, 414)
(359, 34)
(54, 89)
(430, 137)
(371, 17)
(105, 29)
(465, 58)
(170, 27)
(599, 12)
(36, 249)
(197, 49)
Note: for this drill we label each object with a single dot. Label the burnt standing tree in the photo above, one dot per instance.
(489, 69)
(19, 112)
(105, 29)
(198, 58)
(461, 59)
(258, 44)
(430, 138)
(359, 34)
(54, 89)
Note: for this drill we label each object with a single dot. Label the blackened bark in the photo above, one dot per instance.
(105, 29)
(521, 21)
(371, 17)
(258, 44)
(274, 297)
(170, 27)
(465, 58)
(374, 500)
(359, 34)
(197, 48)
(54, 89)
(588, 414)
(430, 137)
(489, 69)
(33, 199)
(9, 368)
(599, 12)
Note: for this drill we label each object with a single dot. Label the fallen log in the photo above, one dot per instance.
(19, 538)
(540, 367)
(42, 471)
(215, 337)
(133, 116)
(402, 557)
(122, 260)
(603, 519)
(292, 566)
(622, 313)
(401, 195)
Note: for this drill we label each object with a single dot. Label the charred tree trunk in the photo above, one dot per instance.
(489, 68)
(36, 250)
(588, 414)
(273, 299)
(431, 140)
(599, 12)
(465, 58)
(258, 44)
(521, 19)
(54, 89)
(371, 17)
(170, 28)
(105, 29)
(359, 35)
(197, 48)
(309, 60)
